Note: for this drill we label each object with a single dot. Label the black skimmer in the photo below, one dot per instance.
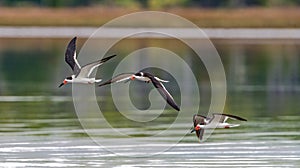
(146, 77)
(217, 121)
(81, 74)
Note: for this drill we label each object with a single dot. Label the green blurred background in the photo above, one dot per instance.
(38, 123)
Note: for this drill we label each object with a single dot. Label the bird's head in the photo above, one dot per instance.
(139, 74)
(132, 77)
(65, 81)
(197, 128)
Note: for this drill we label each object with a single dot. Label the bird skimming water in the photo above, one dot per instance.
(217, 121)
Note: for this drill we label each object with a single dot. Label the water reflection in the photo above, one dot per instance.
(38, 123)
(259, 73)
(271, 67)
(267, 70)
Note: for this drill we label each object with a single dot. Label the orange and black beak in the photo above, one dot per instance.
(192, 129)
(197, 128)
(63, 83)
(132, 77)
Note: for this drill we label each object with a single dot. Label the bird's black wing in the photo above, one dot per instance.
(198, 119)
(86, 70)
(163, 91)
(199, 134)
(223, 117)
(70, 56)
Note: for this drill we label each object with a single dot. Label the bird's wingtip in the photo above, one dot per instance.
(74, 38)
(102, 84)
(108, 58)
(177, 108)
(112, 56)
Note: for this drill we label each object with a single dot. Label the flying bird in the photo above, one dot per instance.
(80, 74)
(145, 77)
(217, 121)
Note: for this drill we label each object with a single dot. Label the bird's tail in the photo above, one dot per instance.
(161, 80)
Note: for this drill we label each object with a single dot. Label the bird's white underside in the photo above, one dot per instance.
(218, 125)
(84, 80)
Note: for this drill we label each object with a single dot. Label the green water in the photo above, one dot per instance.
(39, 125)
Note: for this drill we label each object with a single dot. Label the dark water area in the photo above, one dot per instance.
(40, 128)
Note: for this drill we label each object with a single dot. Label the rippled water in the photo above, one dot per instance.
(66, 146)
(39, 126)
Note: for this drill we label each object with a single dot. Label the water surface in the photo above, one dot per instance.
(39, 126)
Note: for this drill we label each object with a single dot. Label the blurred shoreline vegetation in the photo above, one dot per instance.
(151, 4)
(204, 13)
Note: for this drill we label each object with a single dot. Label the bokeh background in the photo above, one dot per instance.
(38, 123)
